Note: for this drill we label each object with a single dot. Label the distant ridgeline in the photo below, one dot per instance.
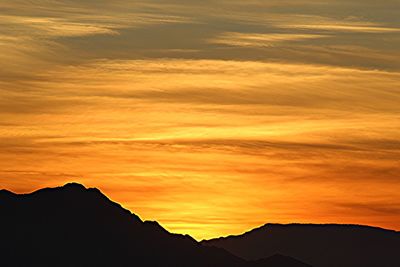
(75, 226)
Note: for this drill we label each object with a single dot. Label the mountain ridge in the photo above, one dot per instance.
(82, 188)
(96, 231)
(73, 225)
(262, 227)
(324, 245)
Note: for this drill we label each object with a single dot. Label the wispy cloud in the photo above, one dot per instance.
(260, 39)
(204, 113)
(55, 27)
(345, 28)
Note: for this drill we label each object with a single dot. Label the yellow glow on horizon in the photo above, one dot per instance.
(206, 163)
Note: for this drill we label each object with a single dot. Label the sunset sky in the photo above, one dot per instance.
(210, 116)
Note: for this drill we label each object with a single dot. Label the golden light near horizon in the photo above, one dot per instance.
(209, 122)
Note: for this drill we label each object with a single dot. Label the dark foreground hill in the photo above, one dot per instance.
(319, 245)
(278, 261)
(75, 226)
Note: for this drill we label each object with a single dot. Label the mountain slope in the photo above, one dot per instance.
(75, 226)
(319, 245)
(278, 260)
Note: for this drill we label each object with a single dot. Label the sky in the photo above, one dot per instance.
(211, 117)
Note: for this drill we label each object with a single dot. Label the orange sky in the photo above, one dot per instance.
(211, 117)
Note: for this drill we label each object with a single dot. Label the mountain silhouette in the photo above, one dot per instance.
(76, 226)
(320, 245)
(278, 261)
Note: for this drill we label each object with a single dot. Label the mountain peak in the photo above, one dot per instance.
(75, 186)
(6, 193)
(79, 188)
